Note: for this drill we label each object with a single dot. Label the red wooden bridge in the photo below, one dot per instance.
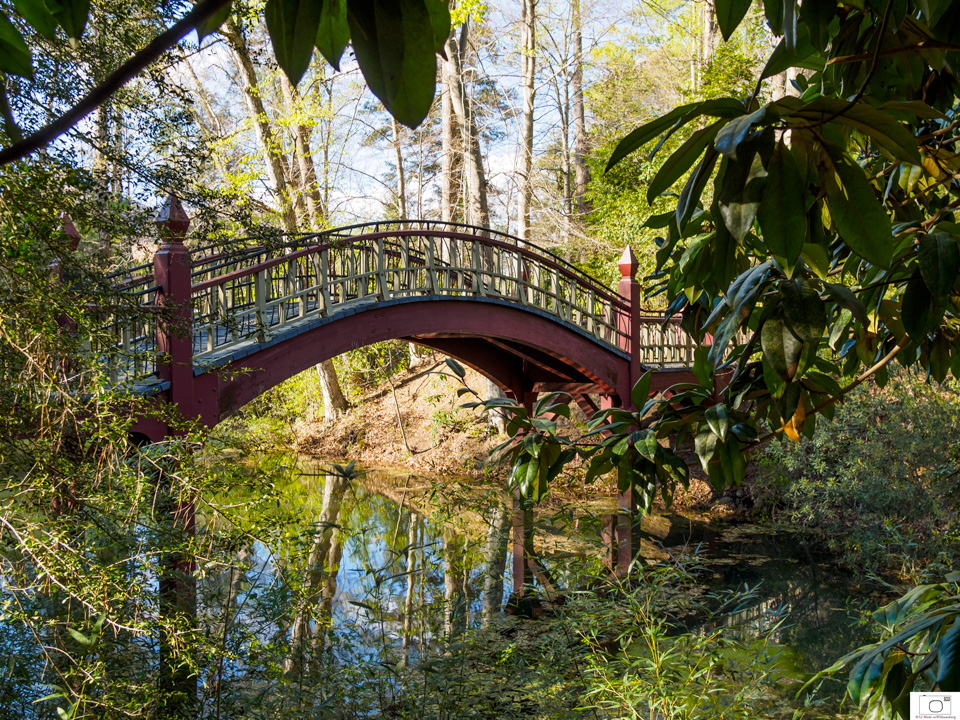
(241, 320)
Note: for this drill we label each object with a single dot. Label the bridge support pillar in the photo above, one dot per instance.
(174, 340)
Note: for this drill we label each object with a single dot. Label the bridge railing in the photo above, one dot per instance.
(241, 302)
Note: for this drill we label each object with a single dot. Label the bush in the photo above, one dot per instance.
(879, 482)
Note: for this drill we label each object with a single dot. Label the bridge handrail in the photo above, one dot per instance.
(346, 232)
(582, 278)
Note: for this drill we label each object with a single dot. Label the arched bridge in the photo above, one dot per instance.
(241, 320)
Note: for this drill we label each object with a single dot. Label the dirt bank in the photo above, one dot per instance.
(439, 436)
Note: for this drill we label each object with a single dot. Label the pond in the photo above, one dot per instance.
(367, 575)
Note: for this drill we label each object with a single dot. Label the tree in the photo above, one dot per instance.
(396, 57)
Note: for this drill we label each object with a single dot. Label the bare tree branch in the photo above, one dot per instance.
(203, 10)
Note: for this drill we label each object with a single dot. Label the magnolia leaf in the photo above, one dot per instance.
(733, 133)
(456, 368)
(845, 298)
(641, 390)
(693, 190)
(39, 14)
(394, 44)
(705, 445)
(681, 160)
(333, 32)
(916, 309)
(14, 53)
(938, 256)
(439, 22)
(781, 347)
(856, 212)
(817, 16)
(948, 660)
(803, 310)
(213, 23)
(718, 420)
(804, 55)
(781, 212)
(742, 190)
(730, 14)
(72, 16)
(879, 126)
(292, 25)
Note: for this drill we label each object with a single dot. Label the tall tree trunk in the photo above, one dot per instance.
(496, 557)
(317, 570)
(308, 173)
(528, 53)
(333, 401)
(276, 172)
(477, 209)
(401, 178)
(411, 580)
(708, 36)
(454, 616)
(579, 118)
(448, 164)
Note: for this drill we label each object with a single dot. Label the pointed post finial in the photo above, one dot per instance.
(70, 230)
(628, 263)
(172, 221)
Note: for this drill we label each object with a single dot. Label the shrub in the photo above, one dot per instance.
(879, 482)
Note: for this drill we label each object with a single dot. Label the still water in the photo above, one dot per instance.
(390, 558)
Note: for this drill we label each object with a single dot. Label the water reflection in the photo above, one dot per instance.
(376, 567)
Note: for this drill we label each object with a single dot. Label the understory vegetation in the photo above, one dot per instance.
(879, 483)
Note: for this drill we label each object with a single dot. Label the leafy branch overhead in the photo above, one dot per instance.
(814, 236)
(395, 43)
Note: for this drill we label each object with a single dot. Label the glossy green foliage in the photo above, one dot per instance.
(813, 236)
(919, 650)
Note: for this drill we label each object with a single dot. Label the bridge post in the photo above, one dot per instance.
(174, 339)
(171, 272)
(631, 292)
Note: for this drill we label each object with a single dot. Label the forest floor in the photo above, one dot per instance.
(440, 437)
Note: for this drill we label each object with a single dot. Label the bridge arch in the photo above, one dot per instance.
(241, 320)
(517, 348)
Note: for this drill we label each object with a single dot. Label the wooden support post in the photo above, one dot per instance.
(177, 582)
(171, 272)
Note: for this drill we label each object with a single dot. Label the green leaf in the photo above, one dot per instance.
(730, 13)
(14, 53)
(781, 347)
(693, 190)
(72, 16)
(333, 32)
(803, 310)
(879, 126)
(39, 14)
(681, 160)
(718, 420)
(293, 25)
(641, 390)
(857, 214)
(80, 637)
(456, 368)
(395, 54)
(773, 9)
(938, 256)
(440, 22)
(817, 16)
(805, 55)
(845, 298)
(678, 117)
(735, 132)
(781, 213)
(917, 312)
(741, 192)
(948, 660)
(213, 23)
(705, 445)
